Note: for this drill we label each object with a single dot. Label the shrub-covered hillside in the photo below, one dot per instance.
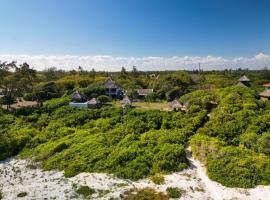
(235, 142)
(131, 145)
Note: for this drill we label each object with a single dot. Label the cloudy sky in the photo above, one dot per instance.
(111, 63)
(151, 34)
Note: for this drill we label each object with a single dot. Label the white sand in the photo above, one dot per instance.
(16, 177)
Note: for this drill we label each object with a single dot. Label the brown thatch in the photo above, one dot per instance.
(244, 79)
(77, 96)
(126, 101)
(110, 84)
(265, 93)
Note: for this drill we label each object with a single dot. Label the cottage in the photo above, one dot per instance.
(176, 106)
(265, 95)
(78, 97)
(126, 101)
(244, 81)
(94, 103)
(111, 89)
(144, 92)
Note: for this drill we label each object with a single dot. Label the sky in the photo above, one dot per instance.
(151, 34)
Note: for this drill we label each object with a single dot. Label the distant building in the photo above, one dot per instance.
(176, 106)
(78, 97)
(144, 92)
(265, 95)
(126, 102)
(111, 89)
(93, 103)
(244, 81)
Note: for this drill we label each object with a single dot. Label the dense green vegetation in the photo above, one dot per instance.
(174, 192)
(234, 143)
(133, 145)
(227, 126)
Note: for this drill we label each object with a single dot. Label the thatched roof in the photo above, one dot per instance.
(265, 93)
(145, 92)
(241, 84)
(175, 104)
(77, 96)
(93, 101)
(244, 79)
(109, 84)
(126, 101)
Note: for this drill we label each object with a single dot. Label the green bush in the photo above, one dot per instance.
(85, 191)
(157, 179)
(174, 192)
(144, 194)
(22, 194)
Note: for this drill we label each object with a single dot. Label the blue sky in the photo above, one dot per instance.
(135, 28)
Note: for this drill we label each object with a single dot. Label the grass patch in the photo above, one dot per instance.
(85, 191)
(158, 179)
(174, 192)
(22, 194)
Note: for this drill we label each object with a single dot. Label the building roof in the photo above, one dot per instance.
(265, 93)
(93, 101)
(267, 85)
(126, 101)
(241, 84)
(77, 95)
(145, 92)
(244, 79)
(176, 104)
(109, 83)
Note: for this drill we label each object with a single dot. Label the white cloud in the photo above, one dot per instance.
(112, 63)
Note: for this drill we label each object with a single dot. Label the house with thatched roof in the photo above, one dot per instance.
(144, 92)
(94, 103)
(111, 89)
(265, 95)
(177, 106)
(126, 101)
(244, 81)
(78, 97)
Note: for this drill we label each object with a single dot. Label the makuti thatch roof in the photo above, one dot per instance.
(244, 79)
(176, 105)
(77, 96)
(93, 101)
(126, 101)
(265, 93)
(110, 84)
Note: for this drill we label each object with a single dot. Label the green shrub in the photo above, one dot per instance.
(157, 179)
(174, 192)
(144, 194)
(22, 194)
(85, 191)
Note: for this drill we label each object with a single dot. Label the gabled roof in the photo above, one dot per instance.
(265, 93)
(126, 101)
(267, 85)
(109, 83)
(145, 92)
(77, 95)
(241, 84)
(244, 79)
(93, 101)
(176, 104)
